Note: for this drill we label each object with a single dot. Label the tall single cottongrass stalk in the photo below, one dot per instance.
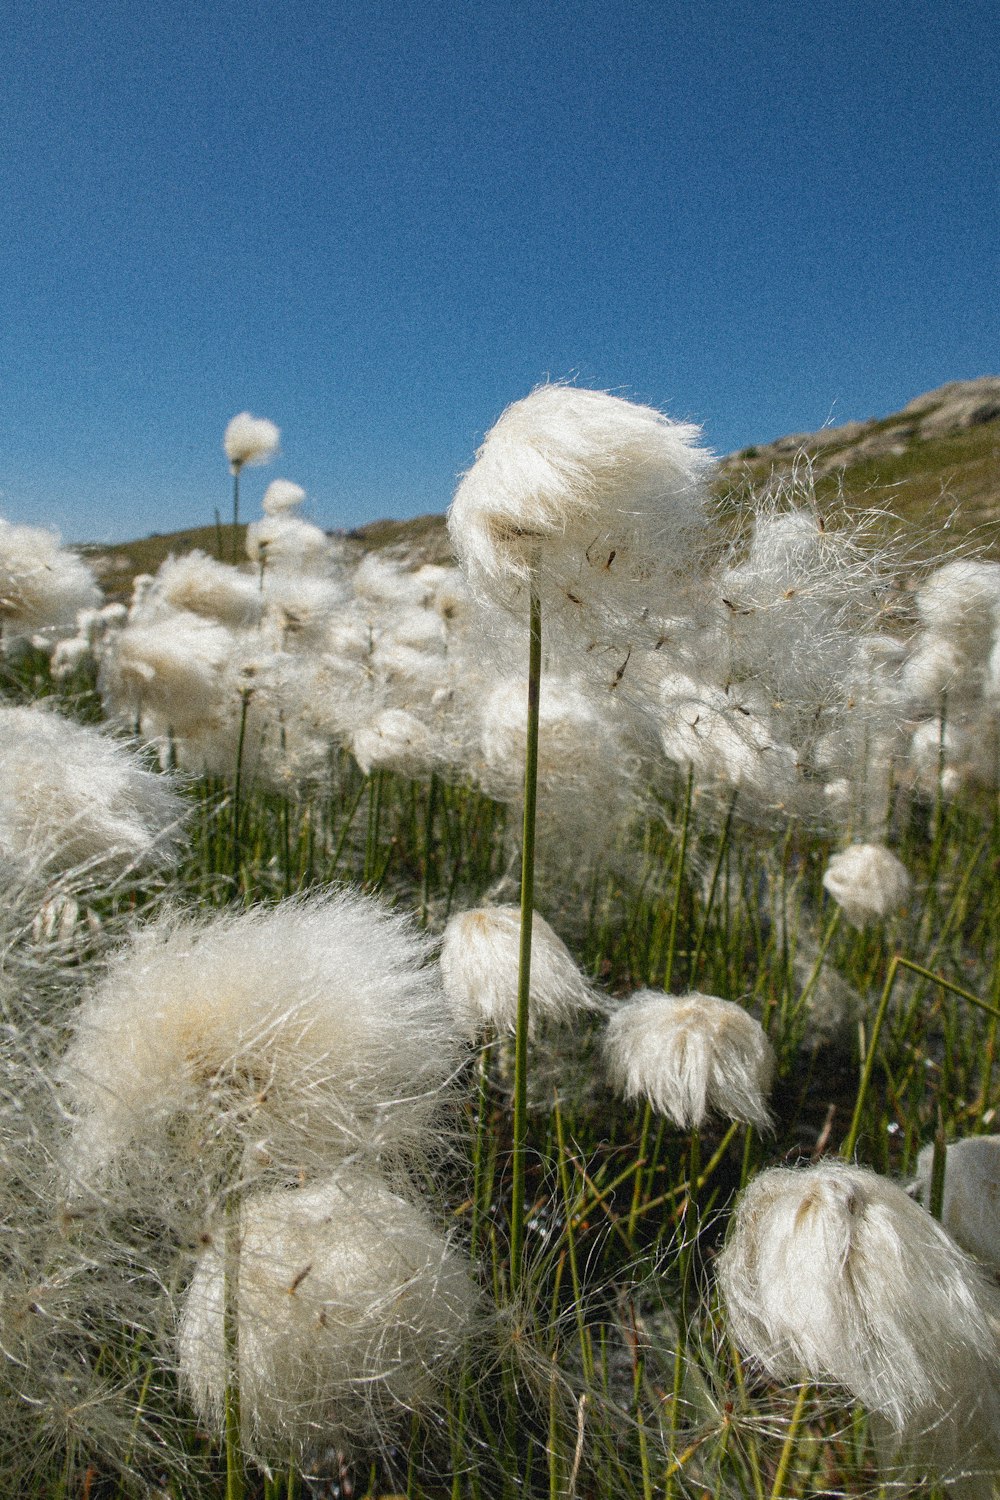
(520, 1140)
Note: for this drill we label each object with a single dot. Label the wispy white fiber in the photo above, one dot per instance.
(691, 1056)
(479, 966)
(971, 1207)
(835, 1273)
(70, 795)
(282, 496)
(353, 1309)
(287, 542)
(310, 1030)
(868, 883)
(42, 585)
(250, 440)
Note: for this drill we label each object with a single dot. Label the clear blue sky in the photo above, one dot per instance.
(378, 223)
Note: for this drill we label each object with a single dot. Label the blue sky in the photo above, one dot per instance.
(379, 223)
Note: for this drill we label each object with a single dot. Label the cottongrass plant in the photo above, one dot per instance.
(257, 1043)
(72, 796)
(247, 440)
(353, 1309)
(42, 584)
(480, 950)
(691, 1055)
(970, 1204)
(868, 882)
(832, 1273)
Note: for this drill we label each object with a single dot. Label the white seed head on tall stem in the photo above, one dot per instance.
(691, 1055)
(835, 1273)
(250, 440)
(867, 882)
(603, 497)
(352, 1309)
(479, 965)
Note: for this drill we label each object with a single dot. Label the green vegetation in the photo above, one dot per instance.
(608, 1370)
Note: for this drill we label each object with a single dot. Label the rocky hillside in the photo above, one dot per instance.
(935, 465)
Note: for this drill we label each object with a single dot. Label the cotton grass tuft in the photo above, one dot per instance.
(833, 1273)
(250, 440)
(479, 965)
(352, 1310)
(299, 1034)
(691, 1055)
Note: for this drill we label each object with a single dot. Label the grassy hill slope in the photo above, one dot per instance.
(935, 465)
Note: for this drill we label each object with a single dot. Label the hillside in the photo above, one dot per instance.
(935, 465)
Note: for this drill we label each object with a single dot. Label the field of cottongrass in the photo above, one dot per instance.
(519, 1028)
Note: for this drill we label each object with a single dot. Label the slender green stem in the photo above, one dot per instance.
(847, 1150)
(233, 553)
(520, 1141)
(675, 911)
(788, 1447)
(238, 783)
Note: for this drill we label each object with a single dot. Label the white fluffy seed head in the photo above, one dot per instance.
(607, 496)
(352, 1310)
(250, 440)
(867, 882)
(395, 740)
(281, 496)
(308, 1030)
(200, 585)
(289, 543)
(835, 1273)
(971, 1208)
(961, 600)
(71, 796)
(479, 965)
(691, 1055)
(42, 586)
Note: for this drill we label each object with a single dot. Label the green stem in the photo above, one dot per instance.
(236, 515)
(520, 1141)
(847, 1149)
(668, 972)
(235, 1475)
(788, 1447)
(238, 783)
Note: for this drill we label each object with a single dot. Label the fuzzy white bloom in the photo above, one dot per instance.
(69, 655)
(971, 1208)
(314, 1026)
(574, 737)
(479, 965)
(250, 440)
(289, 543)
(352, 1310)
(836, 1273)
(282, 496)
(607, 496)
(942, 756)
(42, 586)
(72, 796)
(171, 666)
(691, 1055)
(304, 609)
(716, 734)
(381, 580)
(867, 882)
(937, 666)
(395, 740)
(962, 600)
(199, 585)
